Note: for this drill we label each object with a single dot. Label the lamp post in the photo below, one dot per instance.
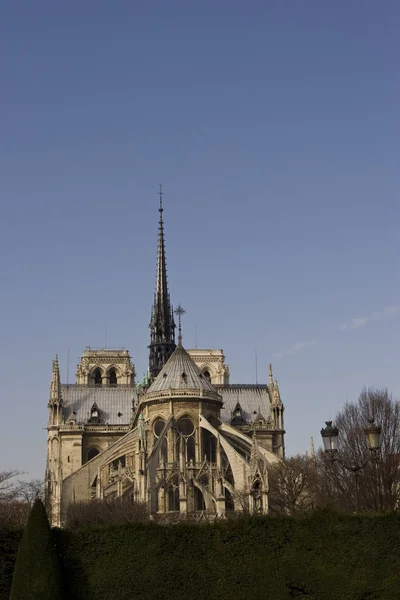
(330, 435)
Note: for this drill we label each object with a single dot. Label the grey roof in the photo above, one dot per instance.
(110, 400)
(180, 373)
(252, 399)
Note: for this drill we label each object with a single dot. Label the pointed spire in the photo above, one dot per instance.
(312, 448)
(162, 325)
(271, 379)
(55, 385)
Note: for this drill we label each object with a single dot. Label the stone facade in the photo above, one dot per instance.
(183, 440)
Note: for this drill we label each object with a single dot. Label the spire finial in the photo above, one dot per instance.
(179, 311)
(55, 385)
(161, 195)
(271, 379)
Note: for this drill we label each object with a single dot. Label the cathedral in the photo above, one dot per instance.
(182, 440)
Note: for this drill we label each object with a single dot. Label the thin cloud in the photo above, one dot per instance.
(297, 347)
(362, 321)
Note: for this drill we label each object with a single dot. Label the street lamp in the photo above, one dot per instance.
(330, 436)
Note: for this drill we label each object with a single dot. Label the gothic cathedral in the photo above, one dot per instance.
(183, 440)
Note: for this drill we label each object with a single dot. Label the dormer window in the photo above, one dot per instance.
(237, 415)
(94, 414)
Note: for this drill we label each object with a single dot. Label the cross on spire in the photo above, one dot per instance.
(179, 311)
(161, 193)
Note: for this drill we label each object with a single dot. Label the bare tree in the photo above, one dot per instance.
(292, 486)
(8, 485)
(376, 485)
(17, 497)
(108, 510)
(31, 490)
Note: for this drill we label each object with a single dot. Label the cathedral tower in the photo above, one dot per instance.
(162, 324)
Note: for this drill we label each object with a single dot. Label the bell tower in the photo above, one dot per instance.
(162, 324)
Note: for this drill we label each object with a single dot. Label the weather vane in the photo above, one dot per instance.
(179, 311)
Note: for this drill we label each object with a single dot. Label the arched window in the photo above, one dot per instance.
(158, 427)
(92, 453)
(207, 375)
(97, 377)
(112, 377)
(199, 503)
(209, 446)
(164, 450)
(229, 503)
(185, 434)
(173, 495)
(257, 497)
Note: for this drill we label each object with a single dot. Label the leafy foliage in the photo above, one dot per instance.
(37, 574)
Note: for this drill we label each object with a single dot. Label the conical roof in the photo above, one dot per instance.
(181, 373)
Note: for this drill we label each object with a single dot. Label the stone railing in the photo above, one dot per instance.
(182, 393)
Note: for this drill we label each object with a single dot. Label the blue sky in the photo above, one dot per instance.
(274, 129)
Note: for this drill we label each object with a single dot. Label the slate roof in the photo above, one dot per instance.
(110, 400)
(180, 373)
(252, 399)
(114, 400)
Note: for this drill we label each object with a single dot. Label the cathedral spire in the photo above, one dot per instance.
(55, 385)
(162, 324)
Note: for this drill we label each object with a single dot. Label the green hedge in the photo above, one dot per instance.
(327, 556)
(9, 543)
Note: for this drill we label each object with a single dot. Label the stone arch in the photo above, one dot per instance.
(113, 374)
(97, 375)
(189, 437)
(91, 453)
(206, 494)
(208, 371)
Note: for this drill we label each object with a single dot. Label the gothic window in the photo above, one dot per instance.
(229, 503)
(185, 433)
(97, 377)
(164, 449)
(115, 463)
(112, 377)
(158, 427)
(207, 375)
(199, 503)
(92, 453)
(185, 426)
(257, 497)
(173, 495)
(209, 446)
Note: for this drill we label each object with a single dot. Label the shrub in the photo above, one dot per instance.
(37, 574)
(118, 511)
